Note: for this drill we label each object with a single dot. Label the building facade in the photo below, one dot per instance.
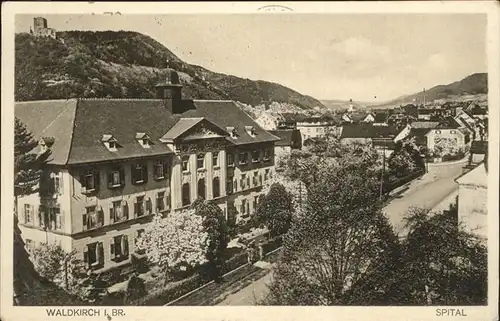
(115, 163)
(472, 200)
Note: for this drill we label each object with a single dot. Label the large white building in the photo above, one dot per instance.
(114, 163)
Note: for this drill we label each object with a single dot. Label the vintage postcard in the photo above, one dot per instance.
(250, 161)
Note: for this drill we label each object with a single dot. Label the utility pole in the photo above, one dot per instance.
(383, 170)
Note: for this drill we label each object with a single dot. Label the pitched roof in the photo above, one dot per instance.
(367, 131)
(380, 117)
(78, 125)
(288, 137)
(180, 128)
(359, 116)
(477, 177)
(420, 135)
(424, 124)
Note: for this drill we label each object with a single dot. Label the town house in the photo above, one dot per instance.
(114, 163)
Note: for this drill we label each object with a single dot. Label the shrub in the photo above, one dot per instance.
(135, 288)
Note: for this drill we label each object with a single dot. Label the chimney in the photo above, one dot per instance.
(170, 91)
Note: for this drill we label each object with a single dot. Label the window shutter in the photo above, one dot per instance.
(165, 169)
(100, 249)
(132, 174)
(62, 219)
(136, 209)
(84, 219)
(85, 255)
(82, 182)
(110, 179)
(145, 173)
(149, 205)
(100, 216)
(122, 177)
(125, 245)
(112, 248)
(97, 180)
(111, 213)
(125, 209)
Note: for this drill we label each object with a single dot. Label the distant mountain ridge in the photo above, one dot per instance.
(125, 64)
(474, 84)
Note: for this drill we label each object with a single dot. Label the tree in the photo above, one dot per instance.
(442, 264)
(177, 241)
(215, 225)
(49, 260)
(26, 165)
(406, 158)
(342, 250)
(135, 288)
(275, 210)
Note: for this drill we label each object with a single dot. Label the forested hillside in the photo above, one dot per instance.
(125, 65)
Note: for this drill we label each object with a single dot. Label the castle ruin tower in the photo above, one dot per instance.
(39, 23)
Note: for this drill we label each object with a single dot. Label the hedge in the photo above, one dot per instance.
(237, 258)
(391, 185)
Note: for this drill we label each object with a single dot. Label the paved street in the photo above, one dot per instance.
(426, 192)
(251, 294)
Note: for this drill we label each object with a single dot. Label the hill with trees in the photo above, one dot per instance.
(475, 84)
(124, 64)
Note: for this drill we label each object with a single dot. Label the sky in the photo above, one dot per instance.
(364, 57)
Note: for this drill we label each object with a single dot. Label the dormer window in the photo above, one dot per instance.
(43, 146)
(110, 142)
(250, 130)
(143, 139)
(233, 132)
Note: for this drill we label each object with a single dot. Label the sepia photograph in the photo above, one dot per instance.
(267, 158)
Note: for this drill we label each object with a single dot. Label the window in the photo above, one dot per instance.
(161, 170)
(139, 206)
(255, 156)
(139, 173)
(229, 186)
(55, 217)
(119, 248)
(186, 194)
(138, 235)
(89, 180)
(93, 255)
(230, 159)
(118, 211)
(200, 161)
(266, 175)
(243, 181)
(30, 245)
(215, 159)
(56, 182)
(201, 188)
(160, 201)
(267, 154)
(185, 163)
(93, 217)
(112, 145)
(255, 202)
(243, 208)
(145, 142)
(28, 214)
(116, 177)
(255, 178)
(243, 158)
(216, 187)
